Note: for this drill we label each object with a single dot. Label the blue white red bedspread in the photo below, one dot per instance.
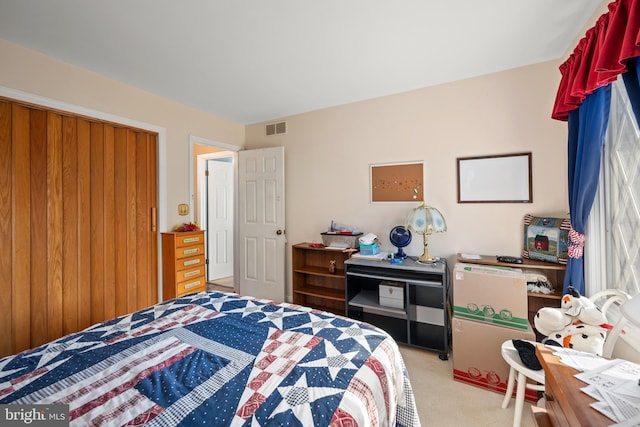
(219, 359)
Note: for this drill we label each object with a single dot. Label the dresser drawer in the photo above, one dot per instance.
(190, 273)
(190, 263)
(189, 240)
(189, 251)
(197, 284)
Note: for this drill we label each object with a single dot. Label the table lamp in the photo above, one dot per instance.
(426, 220)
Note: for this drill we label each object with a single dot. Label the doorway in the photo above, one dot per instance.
(258, 235)
(218, 217)
(213, 199)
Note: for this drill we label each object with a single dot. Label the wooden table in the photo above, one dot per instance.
(565, 404)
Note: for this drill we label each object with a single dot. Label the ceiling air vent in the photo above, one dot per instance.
(276, 128)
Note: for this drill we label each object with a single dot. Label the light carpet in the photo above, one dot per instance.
(443, 402)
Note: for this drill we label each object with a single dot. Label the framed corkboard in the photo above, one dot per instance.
(397, 182)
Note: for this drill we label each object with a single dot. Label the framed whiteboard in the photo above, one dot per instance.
(504, 178)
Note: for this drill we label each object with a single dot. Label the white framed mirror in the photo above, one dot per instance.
(503, 178)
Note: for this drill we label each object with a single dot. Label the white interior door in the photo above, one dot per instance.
(220, 217)
(261, 223)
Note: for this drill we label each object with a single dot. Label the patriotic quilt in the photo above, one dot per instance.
(214, 358)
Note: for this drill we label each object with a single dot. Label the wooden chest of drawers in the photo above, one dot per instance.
(183, 263)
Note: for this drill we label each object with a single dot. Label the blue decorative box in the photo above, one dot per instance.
(546, 238)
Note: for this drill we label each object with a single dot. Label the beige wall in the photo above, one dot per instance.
(28, 71)
(328, 153)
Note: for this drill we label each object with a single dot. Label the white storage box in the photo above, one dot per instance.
(391, 294)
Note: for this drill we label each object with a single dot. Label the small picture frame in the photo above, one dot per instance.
(397, 182)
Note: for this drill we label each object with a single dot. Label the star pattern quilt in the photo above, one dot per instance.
(214, 358)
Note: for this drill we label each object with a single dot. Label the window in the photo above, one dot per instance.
(617, 206)
(622, 194)
(612, 254)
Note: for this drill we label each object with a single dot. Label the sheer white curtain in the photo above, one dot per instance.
(612, 255)
(612, 252)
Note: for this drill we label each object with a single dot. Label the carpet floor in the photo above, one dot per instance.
(443, 402)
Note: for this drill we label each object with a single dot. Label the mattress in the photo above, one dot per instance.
(214, 358)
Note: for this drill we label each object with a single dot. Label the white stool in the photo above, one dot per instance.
(511, 356)
(630, 312)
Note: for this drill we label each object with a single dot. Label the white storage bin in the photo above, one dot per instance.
(391, 294)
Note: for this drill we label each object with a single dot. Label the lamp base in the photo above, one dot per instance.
(426, 259)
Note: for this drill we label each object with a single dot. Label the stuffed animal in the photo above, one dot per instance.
(582, 308)
(577, 324)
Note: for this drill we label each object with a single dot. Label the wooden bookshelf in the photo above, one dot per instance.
(314, 285)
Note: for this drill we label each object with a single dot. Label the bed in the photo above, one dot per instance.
(213, 358)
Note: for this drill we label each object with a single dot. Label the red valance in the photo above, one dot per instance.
(600, 56)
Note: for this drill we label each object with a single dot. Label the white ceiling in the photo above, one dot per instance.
(258, 60)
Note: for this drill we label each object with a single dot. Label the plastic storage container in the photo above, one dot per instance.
(336, 240)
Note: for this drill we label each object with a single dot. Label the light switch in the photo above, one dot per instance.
(183, 209)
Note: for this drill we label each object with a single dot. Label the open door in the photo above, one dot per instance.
(219, 223)
(261, 223)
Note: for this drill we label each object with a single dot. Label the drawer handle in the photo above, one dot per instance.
(191, 262)
(191, 239)
(191, 251)
(192, 273)
(192, 284)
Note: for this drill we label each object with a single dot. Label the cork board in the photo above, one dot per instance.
(397, 182)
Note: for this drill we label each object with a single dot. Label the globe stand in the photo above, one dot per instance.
(400, 254)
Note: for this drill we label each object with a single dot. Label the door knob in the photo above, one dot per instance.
(279, 232)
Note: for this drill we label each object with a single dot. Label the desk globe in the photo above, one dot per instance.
(400, 237)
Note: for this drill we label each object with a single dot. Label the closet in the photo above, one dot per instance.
(78, 238)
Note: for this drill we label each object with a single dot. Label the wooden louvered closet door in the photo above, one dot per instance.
(78, 239)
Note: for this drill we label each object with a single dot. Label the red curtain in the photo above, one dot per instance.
(600, 56)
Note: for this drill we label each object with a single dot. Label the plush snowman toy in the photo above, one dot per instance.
(578, 324)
